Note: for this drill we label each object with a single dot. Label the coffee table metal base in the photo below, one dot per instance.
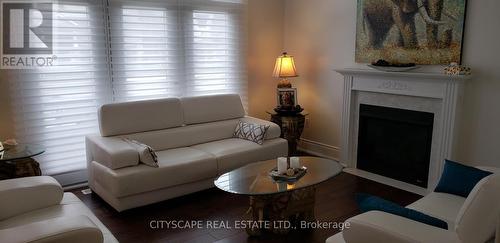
(283, 211)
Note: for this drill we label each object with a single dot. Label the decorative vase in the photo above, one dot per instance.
(455, 69)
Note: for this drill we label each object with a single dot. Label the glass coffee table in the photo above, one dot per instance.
(16, 160)
(278, 206)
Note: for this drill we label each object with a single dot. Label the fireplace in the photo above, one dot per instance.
(426, 94)
(395, 143)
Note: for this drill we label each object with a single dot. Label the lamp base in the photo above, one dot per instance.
(284, 83)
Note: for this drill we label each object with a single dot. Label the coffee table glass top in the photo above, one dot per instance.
(20, 151)
(254, 179)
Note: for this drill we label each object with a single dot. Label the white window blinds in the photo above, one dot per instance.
(214, 53)
(113, 51)
(176, 48)
(56, 106)
(144, 50)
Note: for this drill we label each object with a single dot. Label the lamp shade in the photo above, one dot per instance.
(285, 67)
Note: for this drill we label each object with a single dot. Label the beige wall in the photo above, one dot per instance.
(321, 34)
(265, 43)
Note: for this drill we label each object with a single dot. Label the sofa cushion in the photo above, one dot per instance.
(459, 179)
(251, 132)
(234, 152)
(70, 206)
(200, 109)
(176, 166)
(139, 116)
(479, 215)
(186, 135)
(370, 203)
(440, 205)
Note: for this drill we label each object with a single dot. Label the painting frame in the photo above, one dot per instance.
(438, 37)
(286, 97)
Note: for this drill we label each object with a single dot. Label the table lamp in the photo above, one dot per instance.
(285, 68)
(287, 96)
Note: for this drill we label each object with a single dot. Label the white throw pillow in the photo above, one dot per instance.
(147, 155)
(251, 132)
(477, 219)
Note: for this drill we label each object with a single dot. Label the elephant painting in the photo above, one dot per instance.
(420, 31)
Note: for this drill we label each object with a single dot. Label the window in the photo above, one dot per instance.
(213, 54)
(144, 52)
(169, 48)
(122, 51)
(56, 106)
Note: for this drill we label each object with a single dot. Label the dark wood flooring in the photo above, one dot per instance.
(334, 203)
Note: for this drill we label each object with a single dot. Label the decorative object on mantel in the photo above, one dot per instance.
(455, 69)
(383, 65)
(287, 96)
(419, 31)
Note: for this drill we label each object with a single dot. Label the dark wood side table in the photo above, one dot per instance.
(291, 126)
(16, 161)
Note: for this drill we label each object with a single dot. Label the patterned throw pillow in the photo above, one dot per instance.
(251, 132)
(147, 155)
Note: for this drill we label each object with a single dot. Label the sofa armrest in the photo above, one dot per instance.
(78, 229)
(22, 195)
(274, 130)
(377, 226)
(111, 152)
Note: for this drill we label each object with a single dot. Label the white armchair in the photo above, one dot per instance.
(35, 209)
(470, 220)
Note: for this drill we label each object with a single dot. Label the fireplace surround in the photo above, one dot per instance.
(433, 93)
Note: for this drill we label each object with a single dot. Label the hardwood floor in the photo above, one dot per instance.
(334, 203)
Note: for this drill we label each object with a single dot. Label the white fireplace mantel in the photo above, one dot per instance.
(438, 93)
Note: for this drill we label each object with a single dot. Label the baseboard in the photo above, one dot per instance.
(319, 149)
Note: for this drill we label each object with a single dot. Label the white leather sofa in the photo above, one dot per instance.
(35, 209)
(192, 137)
(474, 219)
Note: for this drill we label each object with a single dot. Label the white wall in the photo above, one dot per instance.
(321, 35)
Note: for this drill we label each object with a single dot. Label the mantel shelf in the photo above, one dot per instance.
(426, 75)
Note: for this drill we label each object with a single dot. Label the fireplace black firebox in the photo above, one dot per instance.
(395, 143)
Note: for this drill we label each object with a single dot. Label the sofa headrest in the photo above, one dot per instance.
(139, 116)
(210, 108)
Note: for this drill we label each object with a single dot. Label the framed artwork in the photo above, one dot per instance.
(410, 31)
(287, 97)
